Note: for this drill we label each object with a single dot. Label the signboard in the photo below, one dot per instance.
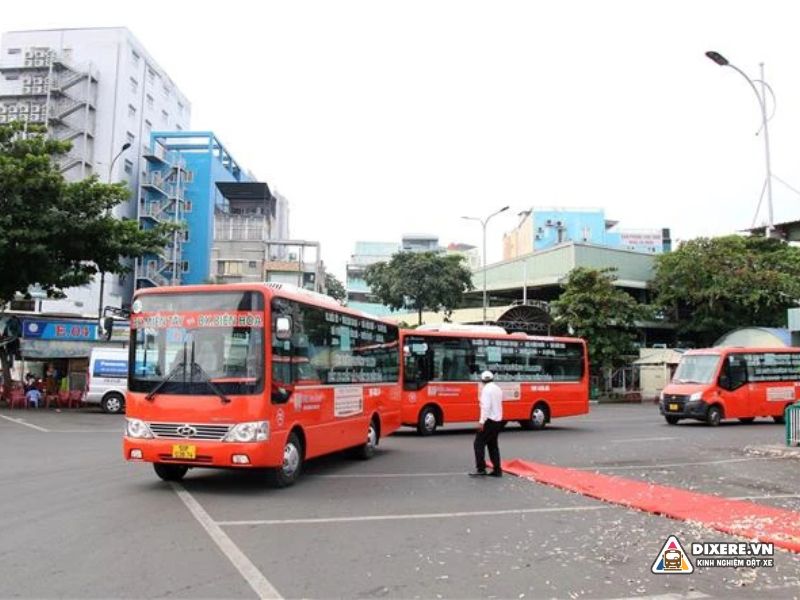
(59, 330)
(110, 368)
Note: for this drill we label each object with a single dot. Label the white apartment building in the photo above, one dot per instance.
(100, 89)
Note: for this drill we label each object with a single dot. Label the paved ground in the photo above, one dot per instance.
(79, 522)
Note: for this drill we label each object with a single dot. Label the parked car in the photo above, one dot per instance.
(107, 380)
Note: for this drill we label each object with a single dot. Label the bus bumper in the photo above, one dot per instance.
(695, 409)
(206, 454)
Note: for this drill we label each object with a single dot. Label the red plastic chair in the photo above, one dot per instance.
(75, 398)
(63, 399)
(17, 398)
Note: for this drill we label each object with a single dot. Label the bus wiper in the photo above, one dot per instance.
(163, 382)
(206, 379)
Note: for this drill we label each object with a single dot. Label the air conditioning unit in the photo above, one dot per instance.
(23, 117)
(26, 89)
(26, 80)
(12, 110)
(2, 109)
(35, 108)
(28, 62)
(33, 118)
(38, 80)
(39, 62)
(29, 54)
(23, 108)
(40, 54)
(38, 89)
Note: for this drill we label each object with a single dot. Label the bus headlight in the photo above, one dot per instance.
(254, 431)
(696, 397)
(136, 428)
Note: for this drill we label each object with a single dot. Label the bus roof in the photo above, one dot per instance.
(272, 289)
(722, 350)
(490, 335)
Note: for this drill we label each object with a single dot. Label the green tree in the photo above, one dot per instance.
(711, 285)
(335, 287)
(55, 233)
(593, 308)
(420, 281)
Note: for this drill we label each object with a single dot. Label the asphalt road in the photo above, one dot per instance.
(77, 521)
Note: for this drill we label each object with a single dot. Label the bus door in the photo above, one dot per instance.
(733, 388)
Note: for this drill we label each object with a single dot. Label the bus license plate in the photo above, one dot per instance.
(184, 451)
(673, 407)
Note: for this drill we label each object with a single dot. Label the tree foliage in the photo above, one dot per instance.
(335, 288)
(711, 285)
(593, 308)
(420, 281)
(55, 233)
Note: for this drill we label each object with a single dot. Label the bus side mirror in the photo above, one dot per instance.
(280, 395)
(283, 328)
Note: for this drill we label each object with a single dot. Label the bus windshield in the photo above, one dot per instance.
(191, 339)
(696, 368)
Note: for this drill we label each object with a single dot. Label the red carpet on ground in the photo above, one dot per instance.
(737, 517)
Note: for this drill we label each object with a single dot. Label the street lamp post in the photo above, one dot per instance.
(483, 223)
(762, 102)
(125, 146)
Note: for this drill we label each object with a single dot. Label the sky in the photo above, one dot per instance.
(378, 118)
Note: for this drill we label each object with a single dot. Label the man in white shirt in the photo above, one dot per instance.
(490, 426)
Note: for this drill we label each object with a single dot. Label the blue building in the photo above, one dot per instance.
(542, 228)
(181, 185)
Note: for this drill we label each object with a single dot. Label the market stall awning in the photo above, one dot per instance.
(47, 349)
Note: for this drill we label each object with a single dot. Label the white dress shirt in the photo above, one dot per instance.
(491, 402)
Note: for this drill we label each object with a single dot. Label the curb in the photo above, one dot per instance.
(773, 450)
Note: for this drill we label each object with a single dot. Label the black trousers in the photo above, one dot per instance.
(488, 438)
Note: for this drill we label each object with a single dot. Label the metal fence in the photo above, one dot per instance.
(793, 425)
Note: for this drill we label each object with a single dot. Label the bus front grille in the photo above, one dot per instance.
(189, 431)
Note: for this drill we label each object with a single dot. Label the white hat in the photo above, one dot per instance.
(487, 376)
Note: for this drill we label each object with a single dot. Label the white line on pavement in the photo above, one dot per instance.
(671, 465)
(387, 475)
(478, 513)
(21, 422)
(248, 570)
(652, 439)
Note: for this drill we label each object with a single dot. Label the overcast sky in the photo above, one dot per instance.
(379, 118)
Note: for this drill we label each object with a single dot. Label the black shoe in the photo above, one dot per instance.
(477, 473)
(496, 474)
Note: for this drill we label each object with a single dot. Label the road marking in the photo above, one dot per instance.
(387, 475)
(21, 422)
(248, 570)
(652, 439)
(478, 513)
(670, 465)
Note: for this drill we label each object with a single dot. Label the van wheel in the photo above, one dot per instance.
(713, 416)
(287, 474)
(170, 472)
(113, 403)
(746, 419)
(671, 420)
(427, 421)
(367, 449)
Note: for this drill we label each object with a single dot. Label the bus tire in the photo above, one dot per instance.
(170, 472)
(672, 420)
(540, 415)
(746, 419)
(713, 415)
(428, 420)
(292, 466)
(113, 403)
(368, 448)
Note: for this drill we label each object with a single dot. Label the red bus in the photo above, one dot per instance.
(732, 383)
(542, 377)
(255, 375)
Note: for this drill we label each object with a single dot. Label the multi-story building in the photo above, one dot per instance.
(471, 254)
(542, 228)
(358, 292)
(99, 89)
(420, 242)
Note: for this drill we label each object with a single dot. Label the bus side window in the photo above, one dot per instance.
(734, 375)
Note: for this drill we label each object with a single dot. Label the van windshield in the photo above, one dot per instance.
(697, 368)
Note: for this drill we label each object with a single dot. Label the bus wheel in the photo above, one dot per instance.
(287, 474)
(538, 420)
(367, 450)
(170, 472)
(713, 416)
(427, 421)
(746, 419)
(671, 420)
(113, 403)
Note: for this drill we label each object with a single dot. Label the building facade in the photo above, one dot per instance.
(542, 228)
(99, 89)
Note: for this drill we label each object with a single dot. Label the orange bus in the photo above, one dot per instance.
(541, 377)
(732, 383)
(255, 375)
